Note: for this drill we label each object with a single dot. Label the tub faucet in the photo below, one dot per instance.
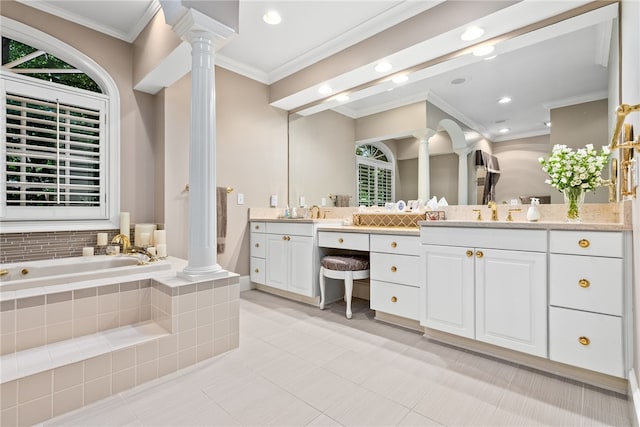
(494, 210)
(143, 251)
(4, 272)
(122, 239)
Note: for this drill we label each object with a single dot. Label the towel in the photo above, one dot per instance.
(221, 220)
(341, 200)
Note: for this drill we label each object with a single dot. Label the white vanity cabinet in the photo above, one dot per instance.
(587, 300)
(395, 275)
(257, 251)
(487, 284)
(289, 257)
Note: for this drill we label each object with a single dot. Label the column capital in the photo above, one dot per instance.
(423, 135)
(194, 24)
(463, 152)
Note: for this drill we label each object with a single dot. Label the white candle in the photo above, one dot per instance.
(151, 250)
(125, 226)
(102, 239)
(160, 236)
(144, 228)
(88, 251)
(144, 239)
(161, 249)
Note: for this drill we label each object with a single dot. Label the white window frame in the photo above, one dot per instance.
(109, 218)
(378, 164)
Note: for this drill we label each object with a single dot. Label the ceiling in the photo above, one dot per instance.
(315, 29)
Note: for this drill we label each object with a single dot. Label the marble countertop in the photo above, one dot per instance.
(541, 225)
(405, 231)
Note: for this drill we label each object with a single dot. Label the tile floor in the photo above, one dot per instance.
(299, 366)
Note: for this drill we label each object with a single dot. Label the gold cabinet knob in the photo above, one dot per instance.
(284, 237)
(469, 253)
(584, 340)
(479, 254)
(394, 245)
(257, 270)
(394, 268)
(394, 299)
(257, 245)
(257, 227)
(583, 243)
(24, 271)
(341, 240)
(584, 283)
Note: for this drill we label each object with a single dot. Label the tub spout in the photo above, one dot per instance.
(122, 239)
(4, 272)
(143, 251)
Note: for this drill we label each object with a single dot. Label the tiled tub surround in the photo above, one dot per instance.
(61, 351)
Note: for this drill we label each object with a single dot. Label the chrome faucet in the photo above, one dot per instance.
(494, 210)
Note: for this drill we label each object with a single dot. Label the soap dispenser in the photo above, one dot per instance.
(533, 214)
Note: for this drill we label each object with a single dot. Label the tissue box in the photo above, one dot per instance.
(388, 219)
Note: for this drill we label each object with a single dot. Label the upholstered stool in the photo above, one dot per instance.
(343, 267)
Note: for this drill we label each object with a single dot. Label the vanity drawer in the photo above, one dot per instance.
(258, 227)
(258, 245)
(490, 238)
(257, 270)
(402, 269)
(288, 228)
(339, 240)
(599, 243)
(406, 245)
(588, 340)
(395, 299)
(586, 283)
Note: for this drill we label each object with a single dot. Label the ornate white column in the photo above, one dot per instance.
(463, 176)
(202, 254)
(205, 35)
(424, 186)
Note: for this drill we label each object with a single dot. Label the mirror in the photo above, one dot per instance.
(565, 74)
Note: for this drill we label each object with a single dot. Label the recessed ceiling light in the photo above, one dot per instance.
(272, 17)
(325, 90)
(458, 81)
(547, 124)
(400, 79)
(489, 58)
(504, 130)
(504, 100)
(382, 67)
(501, 121)
(342, 98)
(483, 50)
(472, 33)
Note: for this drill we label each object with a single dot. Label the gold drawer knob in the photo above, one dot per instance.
(584, 340)
(394, 299)
(287, 238)
(584, 283)
(394, 268)
(394, 245)
(583, 243)
(257, 245)
(257, 227)
(257, 270)
(341, 240)
(469, 253)
(479, 254)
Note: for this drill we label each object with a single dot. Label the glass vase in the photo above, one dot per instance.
(573, 199)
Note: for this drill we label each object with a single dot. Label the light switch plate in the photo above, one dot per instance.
(240, 199)
(273, 200)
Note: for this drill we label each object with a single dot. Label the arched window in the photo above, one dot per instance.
(375, 175)
(59, 135)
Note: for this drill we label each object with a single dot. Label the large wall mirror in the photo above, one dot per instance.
(564, 74)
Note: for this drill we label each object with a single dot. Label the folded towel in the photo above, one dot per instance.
(490, 163)
(221, 220)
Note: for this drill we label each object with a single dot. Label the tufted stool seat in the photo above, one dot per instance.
(343, 267)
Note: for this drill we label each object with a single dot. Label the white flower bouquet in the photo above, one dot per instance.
(575, 173)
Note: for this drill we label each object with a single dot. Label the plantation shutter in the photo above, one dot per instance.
(54, 154)
(384, 190)
(366, 185)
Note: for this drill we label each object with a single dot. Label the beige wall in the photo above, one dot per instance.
(576, 126)
(520, 171)
(399, 120)
(136, 109)
(443, 177)
(321, 157)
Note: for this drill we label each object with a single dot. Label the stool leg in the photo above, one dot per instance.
(348, 291)
(321, 288)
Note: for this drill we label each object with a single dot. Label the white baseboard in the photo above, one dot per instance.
(634, 399)
(245, 284)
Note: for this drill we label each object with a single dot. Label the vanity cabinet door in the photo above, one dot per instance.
(511, 299)
(276, 261)
(300, 265)
(448, 295)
